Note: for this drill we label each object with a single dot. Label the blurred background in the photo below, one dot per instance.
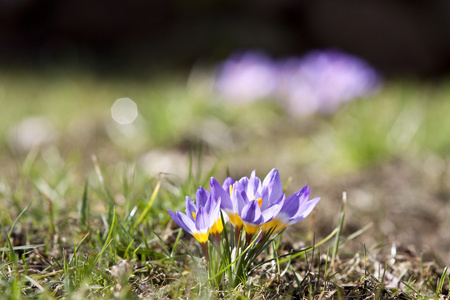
(342, 95)
(408, 37)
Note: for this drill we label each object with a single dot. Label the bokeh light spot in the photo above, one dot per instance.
(124, 111)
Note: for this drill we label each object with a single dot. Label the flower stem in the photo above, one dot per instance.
(238, 236)
(205, 251)
(248, 239)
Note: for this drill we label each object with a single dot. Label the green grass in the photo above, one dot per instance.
(82, 217)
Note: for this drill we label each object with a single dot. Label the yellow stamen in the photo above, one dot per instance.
(259, 202)
(231, 189)
(194, 215)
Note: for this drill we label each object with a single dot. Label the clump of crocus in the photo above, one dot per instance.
(319, 81)
(249, 204)
(259, 208)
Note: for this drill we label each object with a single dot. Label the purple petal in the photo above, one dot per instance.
(295, 201)
(251, 213)
(174, 217)
(310, 205)
(209, 204)
(227, 183)
(253, 185)
(202, 221)
(190, 208)
(242, 183)
(291, 205)
(239, 197)
(304, 195)
(264, 194)
(305, 210)
(241, 201)
(201, 196)
(272, 211)
(183, 221)
(212, 209)
(273, 182)
(214, 213)
(217, 192)
(240, 186)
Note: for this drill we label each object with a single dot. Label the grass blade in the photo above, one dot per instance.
(149, 204)
(356, 234)
(101, 179)
(84, 209)
(441, 282)
(108, 238)
(176, 242)
(296, 254)
(17, 219)
(339, 230)
(25, 247)
(234, 262)
(13, 255)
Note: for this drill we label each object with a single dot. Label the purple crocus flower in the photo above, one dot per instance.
(263, 201)
(295, 208)
(321, 81)
(247, 77)
(224, 193)
(250, 203)
(201, 218)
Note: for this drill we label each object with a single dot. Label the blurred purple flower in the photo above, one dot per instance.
(247, 77)
(322, 80)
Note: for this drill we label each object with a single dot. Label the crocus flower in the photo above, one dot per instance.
(320, 81)
(201, 218)
(224, 192)
(295, 208)
(250, 203)
(247, 77)
(262, 201)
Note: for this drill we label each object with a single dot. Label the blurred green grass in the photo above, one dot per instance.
(406, 118)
